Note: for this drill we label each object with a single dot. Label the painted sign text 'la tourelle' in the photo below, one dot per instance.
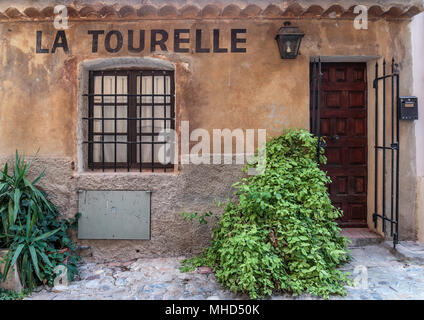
(113, 41)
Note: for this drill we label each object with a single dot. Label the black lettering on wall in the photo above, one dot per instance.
(216, 47)
(131, 41)
(161, 43)
(199, 42)
(60, 36)
(95, 41)
(119, 41)
(38, 48)
(178, 40)
(158, 37)
(235, 40)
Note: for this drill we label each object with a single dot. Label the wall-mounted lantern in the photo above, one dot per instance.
(288, 40)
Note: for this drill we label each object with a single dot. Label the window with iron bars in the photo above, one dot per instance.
(127, 111)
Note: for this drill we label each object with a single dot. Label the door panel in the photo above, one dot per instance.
(344, 126)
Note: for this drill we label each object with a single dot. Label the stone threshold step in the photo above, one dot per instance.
(410, 251)
(361, 237)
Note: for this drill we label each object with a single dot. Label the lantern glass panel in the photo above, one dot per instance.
(289, 45)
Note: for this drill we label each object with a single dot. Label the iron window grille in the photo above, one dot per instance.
(127, 110)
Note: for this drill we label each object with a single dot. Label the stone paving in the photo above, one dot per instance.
(381, 275)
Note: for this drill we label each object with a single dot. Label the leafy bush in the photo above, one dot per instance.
(281, 234)
(11, 295)
(31, 229)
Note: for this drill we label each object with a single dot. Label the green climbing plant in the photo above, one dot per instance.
(280, 233)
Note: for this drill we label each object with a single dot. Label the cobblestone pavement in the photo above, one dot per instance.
(389, 277)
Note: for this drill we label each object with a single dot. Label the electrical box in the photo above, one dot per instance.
(114, 214)
(408, 108)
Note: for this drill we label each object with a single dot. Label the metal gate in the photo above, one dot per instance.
(386, 150)
(316, 103)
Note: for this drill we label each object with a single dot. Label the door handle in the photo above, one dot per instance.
(335, 137)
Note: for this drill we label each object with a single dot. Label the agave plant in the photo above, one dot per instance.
(30, 228)
(19, 197)
(31, 250)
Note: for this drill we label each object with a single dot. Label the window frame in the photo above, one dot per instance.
(132, 133)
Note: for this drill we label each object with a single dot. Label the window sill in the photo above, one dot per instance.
(126, 173)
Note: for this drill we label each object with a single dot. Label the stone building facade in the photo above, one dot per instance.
(221, 69)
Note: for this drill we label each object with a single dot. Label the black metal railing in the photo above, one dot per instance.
(381, 150)
(316, 68)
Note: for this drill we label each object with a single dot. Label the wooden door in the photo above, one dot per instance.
(344, 126)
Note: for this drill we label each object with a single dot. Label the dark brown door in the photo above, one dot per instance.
(344, 126)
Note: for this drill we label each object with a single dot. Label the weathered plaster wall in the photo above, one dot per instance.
(217, 90)
(401, 52)
(257, 89)
(196, 188)
(417, 27)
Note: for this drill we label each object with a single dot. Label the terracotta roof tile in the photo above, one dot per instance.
(127, 11)
(88, 11)
(272, 11)
(189, 11)
(313, 11)
(168, 11)
(294, 10)
(147, 11)
(32, 12)
(47, 12)
(13, 13)
(209, 9)
(252, 10)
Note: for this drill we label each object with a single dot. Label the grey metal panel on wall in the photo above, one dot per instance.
(114, 214)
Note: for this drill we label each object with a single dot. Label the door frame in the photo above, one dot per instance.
(366, 60)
